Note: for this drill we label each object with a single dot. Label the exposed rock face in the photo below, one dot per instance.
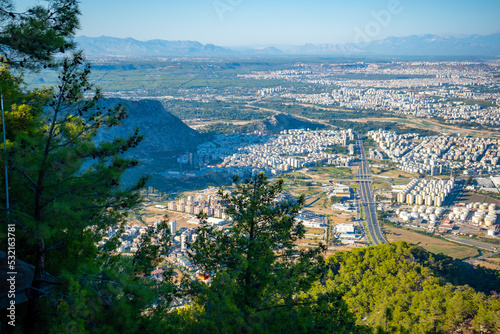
(280, 122)
(163, 132)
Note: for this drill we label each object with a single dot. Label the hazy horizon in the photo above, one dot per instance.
(256, 45)
(244, 23)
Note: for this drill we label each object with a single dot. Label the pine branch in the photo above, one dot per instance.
(17, 212)
(23, 173)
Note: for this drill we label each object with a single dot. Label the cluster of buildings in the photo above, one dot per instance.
(424, 198)
(429, 192)
(131, 238)
(424, 89)
(421, 203)
(439, 154)
(182, 238)
(290, 150)
(209, 206)
(272, 90)
(476, 214)
(456, 112)
(375, 154)
(311, 219)
(348, 233)
(468, 216)
(419, 214)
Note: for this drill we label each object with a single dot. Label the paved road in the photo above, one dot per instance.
(474, 243)
(366, 196)
(482, 257)
(478, 244)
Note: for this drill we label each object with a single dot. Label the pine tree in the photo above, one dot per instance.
(65, 188)
(65, 195)
(260, 276)
(30, 39)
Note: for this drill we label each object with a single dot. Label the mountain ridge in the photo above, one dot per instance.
(106, 45)
(163, 132)
(279, 122)
(414, 45)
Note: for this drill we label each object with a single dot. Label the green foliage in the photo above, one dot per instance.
(146, 258)
(400, 288)
(335, 114)
(222, 128)
(30, 39)
(336, 199)
(65, 195)
(260, 278)
(331, 171)
(337, 149)
(214, 110)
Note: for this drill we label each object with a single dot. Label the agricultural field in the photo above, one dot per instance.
(393, 173)
(432, 244)
(472, 197)
(330, 171)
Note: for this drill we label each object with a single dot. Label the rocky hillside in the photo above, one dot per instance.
(163, 131)
(280, 122)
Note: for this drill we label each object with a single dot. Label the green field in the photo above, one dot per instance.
(432, 244)
(332, 172)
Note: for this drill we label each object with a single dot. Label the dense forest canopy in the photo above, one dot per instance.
(402, 288)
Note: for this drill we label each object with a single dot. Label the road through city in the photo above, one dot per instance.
(367, 201)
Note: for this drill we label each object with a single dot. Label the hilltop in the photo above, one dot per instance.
(163, 132)
(402, 288)
(279, 122)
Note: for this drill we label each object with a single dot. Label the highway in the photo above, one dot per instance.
(367, 201)
(478, 244)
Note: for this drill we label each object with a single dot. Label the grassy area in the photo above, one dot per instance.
(311, 191)
(313, 230)
(331, 171)
(295, 175)
(473, 197)
(363, 127)
(365, 226)
(335, 115)
(378, 170)
(381, 185)
(485, 240)
(354, 185)
(396, 173)
(362, 212)
(337, 150)
(432, 244)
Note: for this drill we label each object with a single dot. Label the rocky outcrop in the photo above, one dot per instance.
(280, 122)
(163, 132)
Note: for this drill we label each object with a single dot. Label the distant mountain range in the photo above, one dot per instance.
(105, 45)
(424, 45)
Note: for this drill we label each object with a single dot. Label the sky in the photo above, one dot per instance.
(283, 22)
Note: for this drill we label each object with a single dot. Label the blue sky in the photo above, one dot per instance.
(259, 22)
